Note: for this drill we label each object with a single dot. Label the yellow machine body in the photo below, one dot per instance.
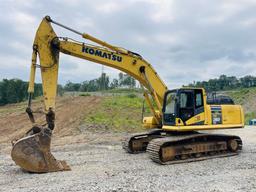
(233, 117)
(224, 116)
(214, 116)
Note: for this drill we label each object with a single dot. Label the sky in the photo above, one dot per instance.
(184, 40)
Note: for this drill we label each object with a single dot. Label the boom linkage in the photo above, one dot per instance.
(105, 54)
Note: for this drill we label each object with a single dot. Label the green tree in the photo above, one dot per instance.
(114, 84)
(126, 80)
(72, 86)
(103, 82)
(15, 90)
(226, 82)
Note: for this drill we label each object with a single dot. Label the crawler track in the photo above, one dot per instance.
(137, 143)
(193, 147)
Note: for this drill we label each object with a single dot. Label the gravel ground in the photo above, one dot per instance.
(102, 165)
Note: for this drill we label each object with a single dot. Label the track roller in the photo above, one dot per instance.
(181, 149)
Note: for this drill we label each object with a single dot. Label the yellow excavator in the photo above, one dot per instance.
(177, 115)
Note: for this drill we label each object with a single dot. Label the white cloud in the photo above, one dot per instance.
(163, 11)
(69, 3)
(20, 47)
(21, 22)
(184, 40)
(109, 7)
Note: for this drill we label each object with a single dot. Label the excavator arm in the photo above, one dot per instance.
(32, 152)
(47, 45)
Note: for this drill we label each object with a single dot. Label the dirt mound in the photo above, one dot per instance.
(70, 111)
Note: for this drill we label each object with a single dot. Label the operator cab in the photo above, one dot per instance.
(182, 104)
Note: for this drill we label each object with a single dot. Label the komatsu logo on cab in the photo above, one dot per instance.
(102, 54)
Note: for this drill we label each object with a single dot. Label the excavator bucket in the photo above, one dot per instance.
(32, 153)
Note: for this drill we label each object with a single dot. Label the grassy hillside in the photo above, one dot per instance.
(121, 110)
(118, 113)
(114, 112)
(247, 98)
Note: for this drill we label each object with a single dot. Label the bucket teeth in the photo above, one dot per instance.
(32, 153)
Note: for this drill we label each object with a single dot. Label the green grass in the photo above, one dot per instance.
(240, 96)
(4, 111)
(249, 116)
(12, 108)
(84, 94)
(122, 112)
(124, 90)
(118, 113)
(17, 107)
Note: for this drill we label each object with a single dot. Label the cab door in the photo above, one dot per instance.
(186, 103)
(170, 107)
(190, 105)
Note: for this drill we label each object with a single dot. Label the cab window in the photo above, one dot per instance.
(199, 98)
(170, 103)
(186, 100)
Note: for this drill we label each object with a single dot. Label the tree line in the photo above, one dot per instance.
(226, 83)
(102, 83)
(15, 90)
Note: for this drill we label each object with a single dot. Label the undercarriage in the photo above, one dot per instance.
(180, 147)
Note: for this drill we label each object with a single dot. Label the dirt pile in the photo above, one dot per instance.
(70, 111)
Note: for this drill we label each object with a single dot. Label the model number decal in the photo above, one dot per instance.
(102, 54)
(216, 115)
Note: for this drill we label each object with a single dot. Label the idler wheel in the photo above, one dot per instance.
(233, 145)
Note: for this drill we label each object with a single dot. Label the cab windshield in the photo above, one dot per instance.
(170, 103)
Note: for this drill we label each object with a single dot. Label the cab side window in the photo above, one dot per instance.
(186, 100)
(199, 98)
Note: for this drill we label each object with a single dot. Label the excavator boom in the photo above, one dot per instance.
(32, 152)
(48, 46)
